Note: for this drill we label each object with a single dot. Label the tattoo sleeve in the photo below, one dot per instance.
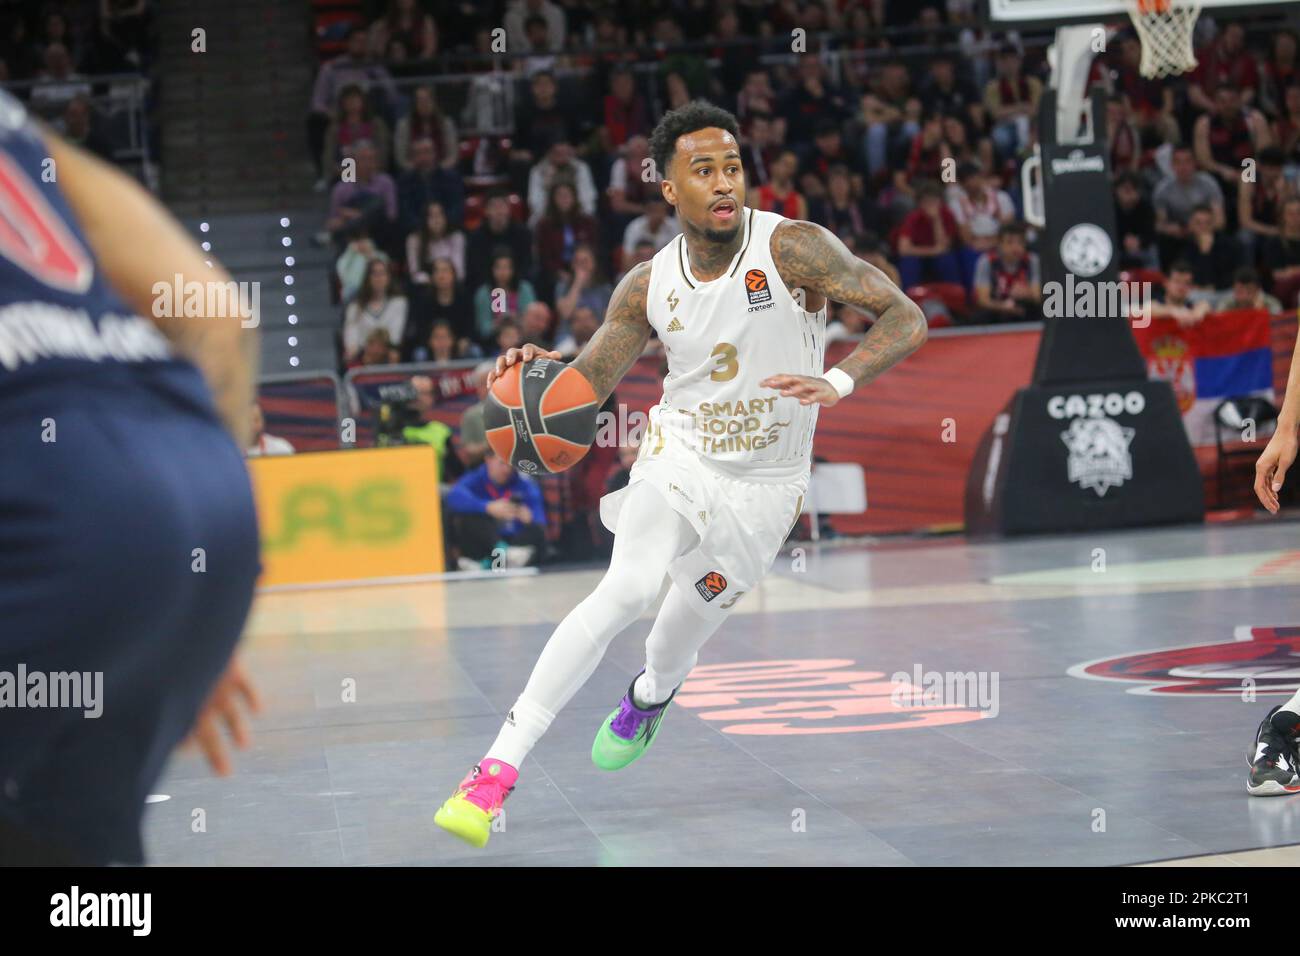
(809, 256)
(622, 336)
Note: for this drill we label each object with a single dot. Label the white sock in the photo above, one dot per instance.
(526, 722)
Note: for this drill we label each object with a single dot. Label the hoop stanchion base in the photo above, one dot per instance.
(1069, 459)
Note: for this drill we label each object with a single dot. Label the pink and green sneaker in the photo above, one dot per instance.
(628, 732)
(469, 812)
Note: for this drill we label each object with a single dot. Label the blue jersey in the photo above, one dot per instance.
(114, 471)
(60, 320)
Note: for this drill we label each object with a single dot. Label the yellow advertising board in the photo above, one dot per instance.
(350, 515)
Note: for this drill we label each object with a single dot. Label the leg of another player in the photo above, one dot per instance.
(1274, 758)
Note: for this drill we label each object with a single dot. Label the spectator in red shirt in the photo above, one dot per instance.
(927, 240)
(562, 228)
(1226, 62)
(925, 158)
(1226, 137)
(1008, 284)
(626, 113)
(1150, 102)
(779, 195)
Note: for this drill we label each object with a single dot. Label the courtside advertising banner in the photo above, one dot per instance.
(357, 515)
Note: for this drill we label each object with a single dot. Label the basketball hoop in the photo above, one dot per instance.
(1165, 29)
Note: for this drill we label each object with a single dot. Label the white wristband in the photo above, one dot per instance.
(840, 380)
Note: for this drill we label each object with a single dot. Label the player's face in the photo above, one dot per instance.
(706, 183)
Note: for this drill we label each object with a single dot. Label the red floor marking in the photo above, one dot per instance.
(820, 691)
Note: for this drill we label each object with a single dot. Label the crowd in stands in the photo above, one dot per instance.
(55, 55)
(902, 127)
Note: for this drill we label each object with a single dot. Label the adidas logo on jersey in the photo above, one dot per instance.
(675, 325)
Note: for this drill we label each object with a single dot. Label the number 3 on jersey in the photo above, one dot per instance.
(724, 356)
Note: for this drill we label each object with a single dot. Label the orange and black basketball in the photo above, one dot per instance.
(541, 416)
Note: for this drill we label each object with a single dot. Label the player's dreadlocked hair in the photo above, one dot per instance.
(697, 114)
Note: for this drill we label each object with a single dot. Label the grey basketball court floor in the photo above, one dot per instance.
(934, 702)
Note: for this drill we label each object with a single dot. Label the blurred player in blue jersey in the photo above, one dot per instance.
(120, 456)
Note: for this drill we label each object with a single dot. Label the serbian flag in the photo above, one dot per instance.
(1224, 355)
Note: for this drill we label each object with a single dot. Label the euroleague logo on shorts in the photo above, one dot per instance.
(756, 286)
(711, 585)
(1259, 659)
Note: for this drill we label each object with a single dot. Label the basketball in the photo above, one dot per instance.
(541, 416)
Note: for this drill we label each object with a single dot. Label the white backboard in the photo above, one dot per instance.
(1080, 11)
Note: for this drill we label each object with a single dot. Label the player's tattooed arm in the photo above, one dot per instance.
(621, 337)
(810, 257)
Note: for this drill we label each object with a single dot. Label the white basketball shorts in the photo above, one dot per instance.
(741, 524)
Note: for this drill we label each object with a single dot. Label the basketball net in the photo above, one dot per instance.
(1165, 29)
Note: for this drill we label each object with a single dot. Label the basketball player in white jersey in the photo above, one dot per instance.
(738, 301)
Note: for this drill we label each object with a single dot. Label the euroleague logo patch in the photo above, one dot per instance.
(756, 286)
(1262, 660)
(711, 585)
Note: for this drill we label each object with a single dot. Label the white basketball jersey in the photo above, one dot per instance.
(722, 338)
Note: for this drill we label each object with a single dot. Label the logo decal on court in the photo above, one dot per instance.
(797, 697)
(1263, 659)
